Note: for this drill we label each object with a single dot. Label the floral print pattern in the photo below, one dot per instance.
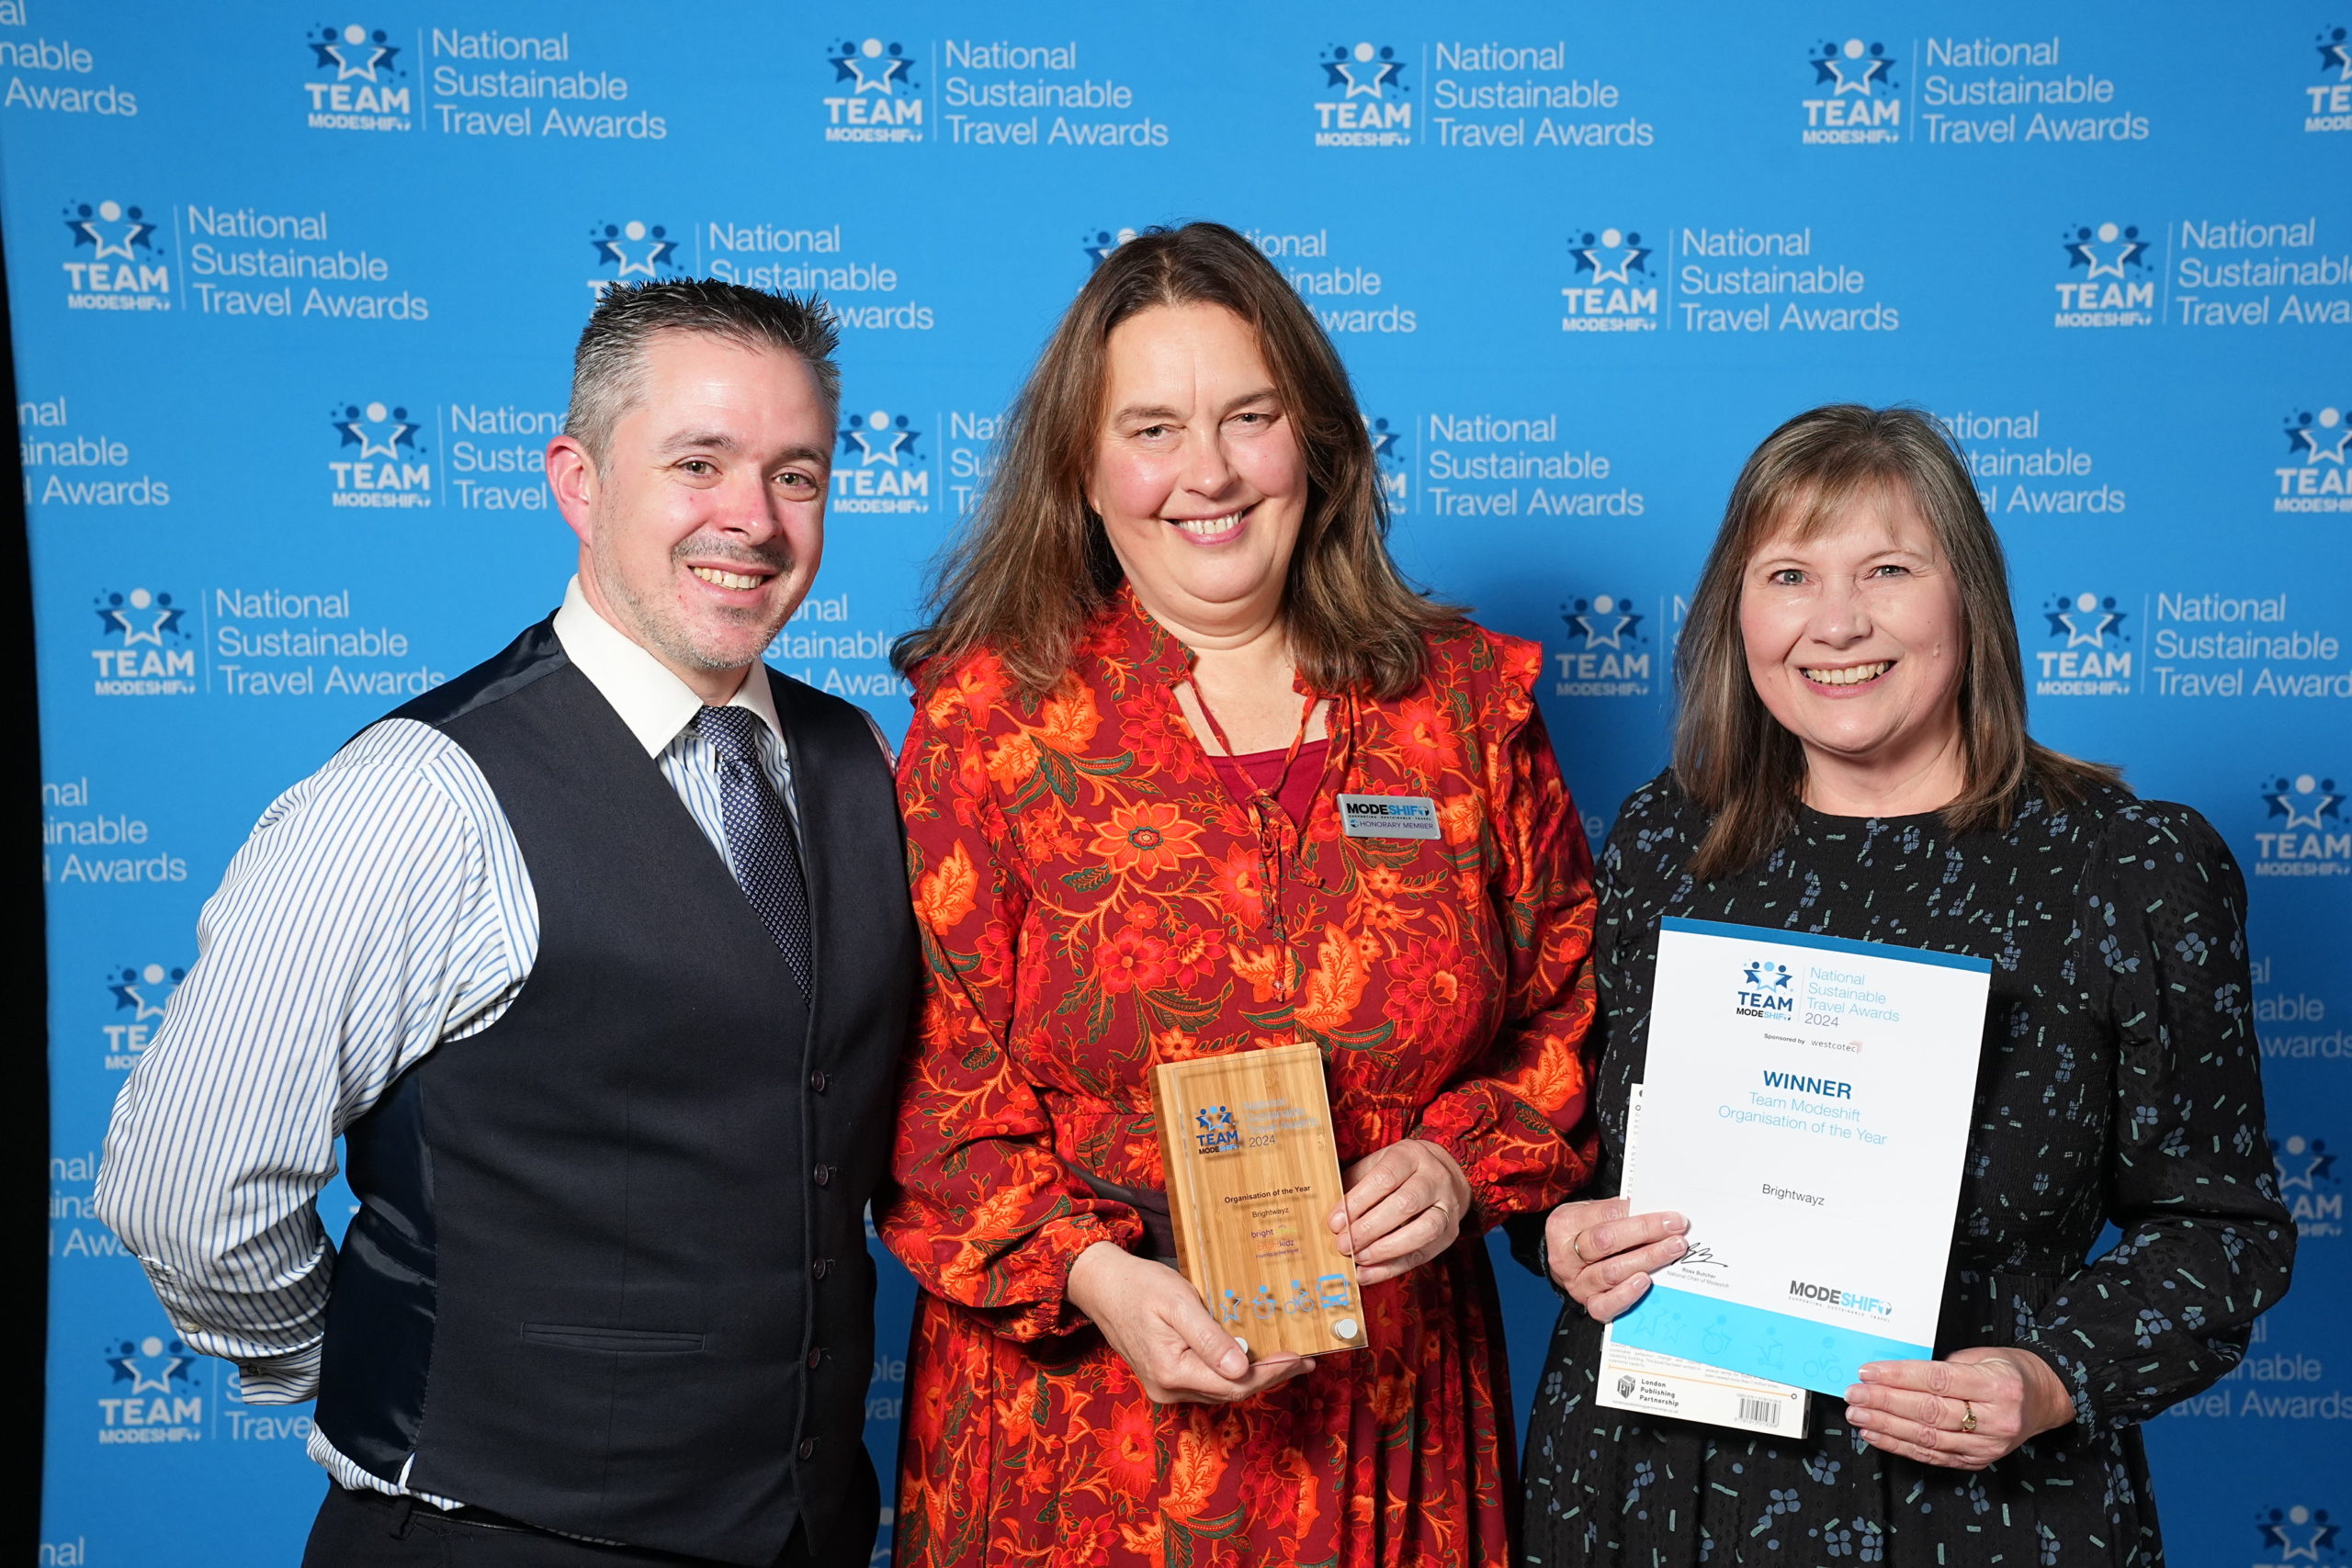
(1094, 901)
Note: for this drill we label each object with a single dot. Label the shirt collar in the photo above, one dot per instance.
(651, 701)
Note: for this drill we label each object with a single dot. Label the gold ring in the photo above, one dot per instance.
(1575, 1245)
(1968, 1417)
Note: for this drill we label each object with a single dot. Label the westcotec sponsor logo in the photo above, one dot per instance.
(1853, 99)
(1365, 100)
(2312, 479)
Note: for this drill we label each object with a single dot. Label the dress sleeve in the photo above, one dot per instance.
(1515, 1120)
(2206, 1244)
(985, 1211)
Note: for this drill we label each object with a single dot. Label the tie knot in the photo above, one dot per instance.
(734, 732)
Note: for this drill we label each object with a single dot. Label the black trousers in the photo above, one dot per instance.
(368, 1529)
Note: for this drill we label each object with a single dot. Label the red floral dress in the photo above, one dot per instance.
(1093, 901)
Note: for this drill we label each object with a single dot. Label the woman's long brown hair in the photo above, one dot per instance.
(1036, 565)
(1732, 758)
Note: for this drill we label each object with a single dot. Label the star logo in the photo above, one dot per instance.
(130, 987)
(873, 65)
(139, 617)
(2319, 437)
(1099, 244)
(151, 1365)
(877, 438)
(1852, 67)
(2300, 1533)
(377, 431)
(2336, 54)
(1611, 255)
(2303, 801)
(354, 51)
(2084, 620)
(1764, 975)
(2106, 250)
(1383, 440)
(110, 228)
(1602, 621)
(634, 247)
(2302, 1162)
(1364, 70)
(1214, 1119)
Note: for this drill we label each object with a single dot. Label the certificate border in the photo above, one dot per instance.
(1749, 1333)
(1827, 943)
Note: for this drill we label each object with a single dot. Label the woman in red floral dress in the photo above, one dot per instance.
(1173, 638)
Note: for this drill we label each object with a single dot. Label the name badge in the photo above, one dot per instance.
(1388, 816)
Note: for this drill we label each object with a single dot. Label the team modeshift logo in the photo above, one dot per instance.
(1098, 245)
(1611, 287)
(2116, 287)
(2308, 1185)
(114, 264)
(142, 991)
(636, 250)
(151, 1397)
(1364, 100)
(2303, 833)
(1214, 1131)
(2329, 105)
(2088, 658)
(145, 649)
(2298, 1534)
(881, 466)
(1607, 653)
(1853, 98)
(1388, 463)
(1764, 990)
(378, 461)
(356, 81)
(2313, 477)
(874, 95)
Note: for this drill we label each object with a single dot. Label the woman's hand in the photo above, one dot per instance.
(1604, 1257)
(1403, 1206)
(1154, 1319)
(1965, 1411)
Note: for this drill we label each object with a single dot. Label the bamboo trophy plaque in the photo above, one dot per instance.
(1254, 1175)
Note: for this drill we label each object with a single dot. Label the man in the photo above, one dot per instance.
(599, 958)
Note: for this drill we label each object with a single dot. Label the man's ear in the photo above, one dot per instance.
(571, 475)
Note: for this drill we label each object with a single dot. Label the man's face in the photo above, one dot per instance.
(701, 529)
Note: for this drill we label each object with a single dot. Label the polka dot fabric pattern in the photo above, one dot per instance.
(2119, 1083)
(760, 844)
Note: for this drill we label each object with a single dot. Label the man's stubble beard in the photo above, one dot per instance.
(657, 624)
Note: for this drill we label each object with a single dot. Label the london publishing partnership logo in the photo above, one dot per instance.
(874, 95)
(1853, 98)
(144, 648)
(2309, 1185)
(1607, 652)
(635, 250)
(2089, 659)
(2330, 105)
(881, 467)
(1610, 289)
(377, 460)
(1364, 100)
(2108, 281)
(1214, 1131)
(2312, 479)
(356, 81)
(1764, 990)
(2304, 832)
(152, 1397)
(141, 993)
(114, 262)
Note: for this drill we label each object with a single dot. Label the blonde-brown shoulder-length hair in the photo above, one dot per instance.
(1036, 565)
(1732, 758)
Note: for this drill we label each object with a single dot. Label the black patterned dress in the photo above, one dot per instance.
(2120, 1082)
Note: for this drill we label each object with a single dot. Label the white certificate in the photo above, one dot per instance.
(1807, 1102)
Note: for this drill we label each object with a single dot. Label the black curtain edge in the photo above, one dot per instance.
(25, 976)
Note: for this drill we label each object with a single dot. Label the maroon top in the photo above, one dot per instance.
(1250, 772)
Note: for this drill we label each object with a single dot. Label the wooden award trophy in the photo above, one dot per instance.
(1254, 1175)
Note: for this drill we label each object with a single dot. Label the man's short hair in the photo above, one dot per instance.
(608, 367)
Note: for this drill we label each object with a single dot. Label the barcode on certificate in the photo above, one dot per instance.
(1765, 1412)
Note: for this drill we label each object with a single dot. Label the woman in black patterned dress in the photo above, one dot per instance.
(1851, 759)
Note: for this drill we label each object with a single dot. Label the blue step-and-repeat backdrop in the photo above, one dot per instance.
(294, 289)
